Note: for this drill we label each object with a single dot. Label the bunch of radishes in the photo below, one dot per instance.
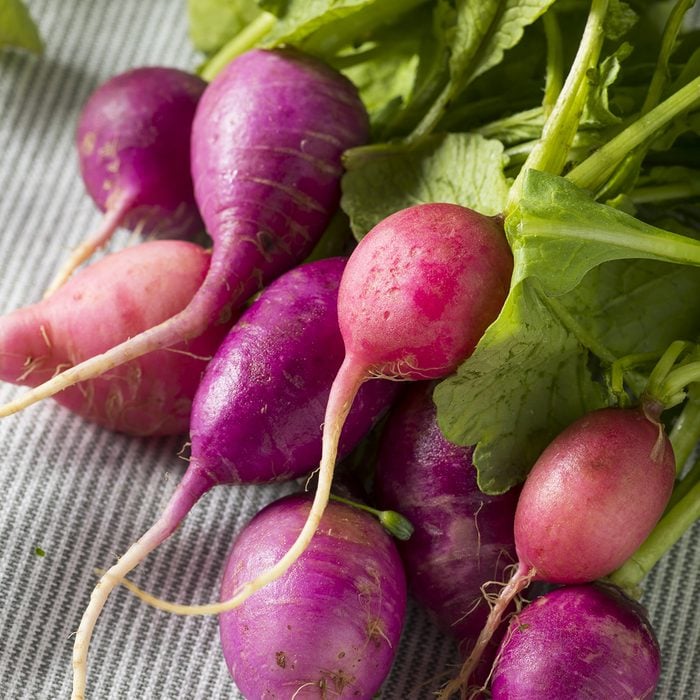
(313, 594)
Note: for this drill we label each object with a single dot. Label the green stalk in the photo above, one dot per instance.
(661, 77)
(595, 170)
(653, 243)
(662, 193)
(655, 385)
(684, 486)
(393, 522)
(667, 532)
(240, 43)
(554, 77)
(685, 434)
(625, 366)
(560, 129)
(677, 381)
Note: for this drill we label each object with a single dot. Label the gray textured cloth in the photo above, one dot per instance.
(83, 494)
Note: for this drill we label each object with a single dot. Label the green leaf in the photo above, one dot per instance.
(432, 72)
(620, 20)
(557, 221)
(384, 68)
(464, 169)
(323, 27)
(17, 29)
(483, 32)
(597, 112)
(529, 376)
(213, 22)
(637, 306)
(527, 379)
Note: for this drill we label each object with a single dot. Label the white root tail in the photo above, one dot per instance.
(111, 220)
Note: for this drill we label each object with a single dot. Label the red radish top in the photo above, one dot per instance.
(593, 496)
(421, 288)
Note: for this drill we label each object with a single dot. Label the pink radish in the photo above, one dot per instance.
(416, 295)
(267, 140)
(117, 297)
(590, 500)
(133, 142)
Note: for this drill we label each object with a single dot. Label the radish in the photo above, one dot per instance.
(417, 294)
(591, 499)
(257, 414)
(133, 142)
(329, 630)
(103, 304)
(462, 538)
(267, 140)
(586, 641)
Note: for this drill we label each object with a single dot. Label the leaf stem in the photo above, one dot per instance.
(592, 172)
(685, 433)
(667, 532)
(398, 525)
(668, 42)
(655, 385)
(678, 379)
(684, 485)
(244, 40)
(559, 130)
(662, 193)
(554, 76)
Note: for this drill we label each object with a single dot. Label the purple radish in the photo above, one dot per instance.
(417, 294)
(586, 641)
(331, 629)
(133, 142)
(267, 141)
(105, 303)
(591, 499)
(462, 537)
(257, 415)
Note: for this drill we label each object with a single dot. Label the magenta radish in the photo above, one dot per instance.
(258, 412)
(462, 538)
(586, 641)
(267, 140)
(103, 304)
(417, 294)
(330, 630)
(133, 142)
(591, 499)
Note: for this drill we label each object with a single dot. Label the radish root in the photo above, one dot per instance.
(87, 248)
(519, 581)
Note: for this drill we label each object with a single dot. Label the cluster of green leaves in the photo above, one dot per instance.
(460, 93)
(17, 28)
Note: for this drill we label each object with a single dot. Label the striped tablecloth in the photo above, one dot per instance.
(82, 494)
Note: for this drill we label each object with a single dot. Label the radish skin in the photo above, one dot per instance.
(105, 303)
(579, 641)
(462, 537)
(330, 630)
(258, 411)
(590, 500)
(133, 141)
(267, 140)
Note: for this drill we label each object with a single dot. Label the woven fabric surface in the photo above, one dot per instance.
(82, 494)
